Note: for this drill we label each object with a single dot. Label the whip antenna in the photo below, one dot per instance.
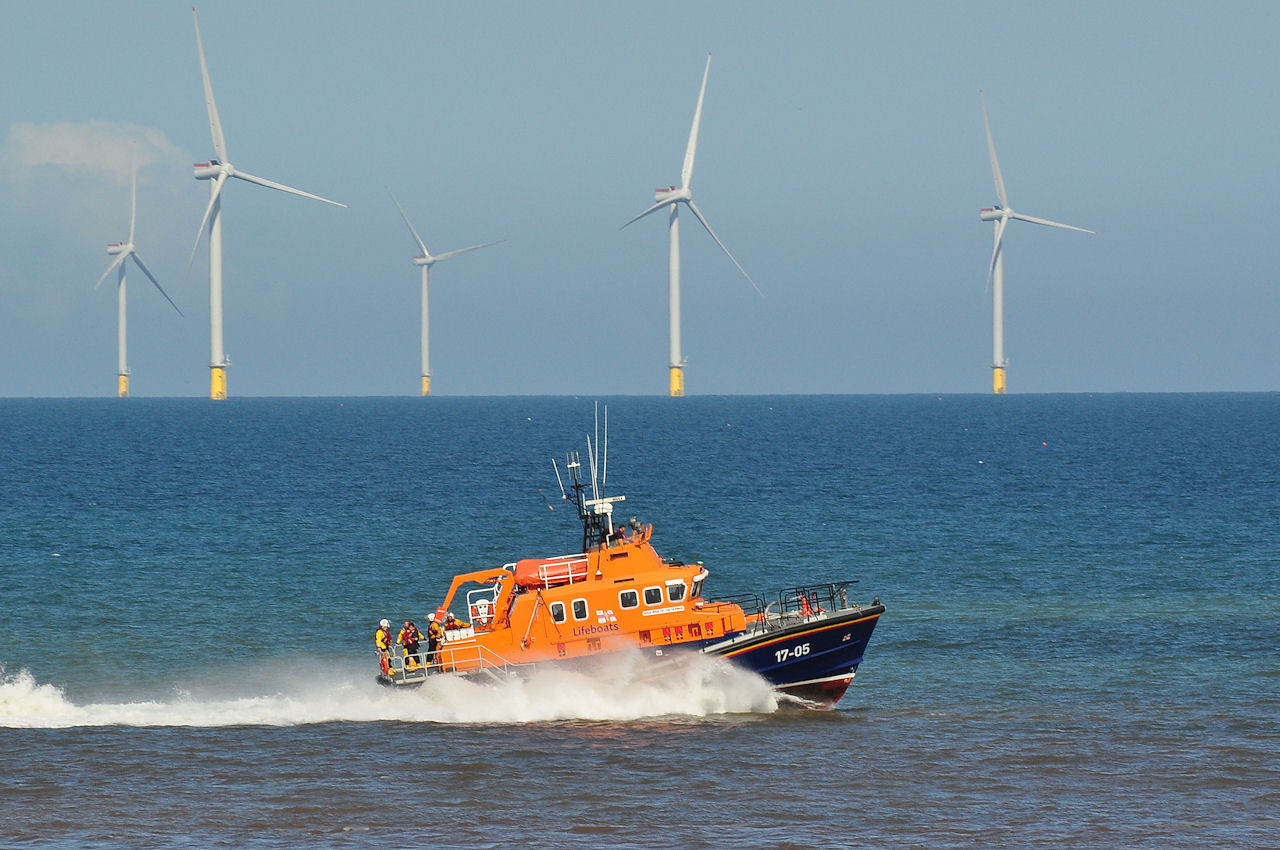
(559, 480)
(593, 456)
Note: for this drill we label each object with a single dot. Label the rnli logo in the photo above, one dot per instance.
(606, 616)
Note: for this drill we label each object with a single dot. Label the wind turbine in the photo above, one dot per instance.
(122, 251)
(1002, 214)
(673, 197)
(217, 171)
(426, 260)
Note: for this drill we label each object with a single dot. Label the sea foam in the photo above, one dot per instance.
(624, 686)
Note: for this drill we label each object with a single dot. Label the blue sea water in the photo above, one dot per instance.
(1079, 648)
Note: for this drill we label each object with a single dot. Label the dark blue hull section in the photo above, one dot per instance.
(814, 659)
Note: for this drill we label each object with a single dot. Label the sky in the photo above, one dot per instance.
(842, 159)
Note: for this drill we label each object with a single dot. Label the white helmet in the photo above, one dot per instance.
(386, 624)
(431, 617)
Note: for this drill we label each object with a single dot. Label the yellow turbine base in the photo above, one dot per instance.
(426, 385)
(997, 380)
(123, 390)
(677, 381)
(217, 383)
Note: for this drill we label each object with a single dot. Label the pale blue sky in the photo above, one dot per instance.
(842, 159)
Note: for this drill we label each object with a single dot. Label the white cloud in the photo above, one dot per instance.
(102, 148)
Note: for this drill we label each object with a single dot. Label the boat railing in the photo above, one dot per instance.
(808, 601)
(403, 669)
(416, 667)
(470, 656)
(794, 605)
(752, 604)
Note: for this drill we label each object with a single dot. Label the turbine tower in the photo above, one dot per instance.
(217, 171)
(672, 197)
(426, 260)
(1002, 214)
(122, 251)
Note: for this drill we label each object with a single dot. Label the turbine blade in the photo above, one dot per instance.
(115, 264)
(215, 125)
(694, 209)
(450, 254)
(995, 251)
(659, 205)
(152, 277)
(213, 199)
(1047, 223)
(995, 163)
(133, 195)
(271, 184)
(416, 238)
(686, 173)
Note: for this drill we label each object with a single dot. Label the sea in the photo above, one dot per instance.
(1079, 647)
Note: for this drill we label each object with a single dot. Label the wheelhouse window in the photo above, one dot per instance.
(697, 586)
(579, 609)
(629, 599)
(653, 596)
(557, 612)
(675, 591)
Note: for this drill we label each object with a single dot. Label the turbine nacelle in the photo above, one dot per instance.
(421, 260)
(114, 248)
(991, 213)
(673, 193)
(208, 170)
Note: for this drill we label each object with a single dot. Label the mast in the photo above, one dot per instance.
(596, 512)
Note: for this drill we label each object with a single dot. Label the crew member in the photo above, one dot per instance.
(382, 640)
(408, 638)
(434, 635)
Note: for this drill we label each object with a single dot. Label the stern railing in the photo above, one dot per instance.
(416, 667)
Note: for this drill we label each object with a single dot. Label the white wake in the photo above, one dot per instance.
(629, 687)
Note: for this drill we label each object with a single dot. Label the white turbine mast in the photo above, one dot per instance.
(1002, 214)
(426, 260)
(217, 171)
(123, 251)
(672, 197)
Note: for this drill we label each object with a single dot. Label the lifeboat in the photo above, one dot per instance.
(618, 594)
